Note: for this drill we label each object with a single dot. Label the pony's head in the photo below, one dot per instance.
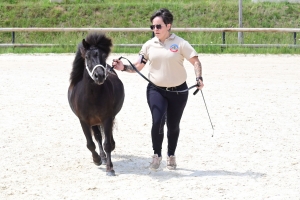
(95, 50)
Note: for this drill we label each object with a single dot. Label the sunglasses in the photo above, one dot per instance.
(158, 26)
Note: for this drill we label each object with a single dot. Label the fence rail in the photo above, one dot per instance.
(223, 30)
(194, 45)
(148, 29)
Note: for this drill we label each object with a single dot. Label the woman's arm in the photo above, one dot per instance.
(198, 71)
(139, 65)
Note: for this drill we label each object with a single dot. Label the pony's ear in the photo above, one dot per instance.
(82, 51)
(85, 44)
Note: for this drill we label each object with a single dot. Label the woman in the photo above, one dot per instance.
(165, 54)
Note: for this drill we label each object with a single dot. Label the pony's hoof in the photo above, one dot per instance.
(97, 161)
(111, 173)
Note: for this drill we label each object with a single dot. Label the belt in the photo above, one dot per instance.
(168, 88)
(172, 88)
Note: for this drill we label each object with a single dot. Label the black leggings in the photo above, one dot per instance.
(166, 107)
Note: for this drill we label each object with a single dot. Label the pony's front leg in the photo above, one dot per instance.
(98, 137)
(89, 142)
(109, 146)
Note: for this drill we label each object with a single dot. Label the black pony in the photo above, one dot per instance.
(96, 95)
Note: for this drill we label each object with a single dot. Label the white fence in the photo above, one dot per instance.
(294, 31)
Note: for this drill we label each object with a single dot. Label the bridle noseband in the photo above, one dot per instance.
(91, 73)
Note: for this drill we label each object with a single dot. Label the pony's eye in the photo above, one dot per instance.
(87, 54)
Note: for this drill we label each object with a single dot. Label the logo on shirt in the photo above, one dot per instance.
(174, 48)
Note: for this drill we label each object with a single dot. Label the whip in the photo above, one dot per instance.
(206, 110)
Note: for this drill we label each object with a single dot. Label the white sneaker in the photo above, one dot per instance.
(171, 163)
(155, 162)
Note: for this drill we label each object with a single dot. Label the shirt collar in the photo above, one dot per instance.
(172, 37)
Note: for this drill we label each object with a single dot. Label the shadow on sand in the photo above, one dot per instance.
(128, 164)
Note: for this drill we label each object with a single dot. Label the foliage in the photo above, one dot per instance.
(135, 14)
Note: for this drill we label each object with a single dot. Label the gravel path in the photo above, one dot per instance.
(253, 102)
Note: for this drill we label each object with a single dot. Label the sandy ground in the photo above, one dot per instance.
(253, 101)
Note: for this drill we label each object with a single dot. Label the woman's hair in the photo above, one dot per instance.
(165, 14)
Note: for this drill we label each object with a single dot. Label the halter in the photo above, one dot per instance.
(92, 73)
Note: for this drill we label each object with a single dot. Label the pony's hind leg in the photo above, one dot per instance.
(109, 146)
(89, 142)
(98, 137)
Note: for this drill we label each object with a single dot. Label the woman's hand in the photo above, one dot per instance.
(118, 64)
(200, 84)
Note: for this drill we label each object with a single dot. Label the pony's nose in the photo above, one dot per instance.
(99, 76)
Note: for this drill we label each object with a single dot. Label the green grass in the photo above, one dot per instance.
(135, 14)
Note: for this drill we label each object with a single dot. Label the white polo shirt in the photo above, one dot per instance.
(166, 60)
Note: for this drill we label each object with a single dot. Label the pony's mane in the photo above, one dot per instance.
(96, 40)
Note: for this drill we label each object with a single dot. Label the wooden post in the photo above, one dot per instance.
(13, 37)
(240, 34)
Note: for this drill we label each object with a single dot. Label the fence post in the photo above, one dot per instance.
(13, 37)
(295, 38)
(241, 34)
(223, 40)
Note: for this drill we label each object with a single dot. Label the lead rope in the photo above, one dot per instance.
(135, 69)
